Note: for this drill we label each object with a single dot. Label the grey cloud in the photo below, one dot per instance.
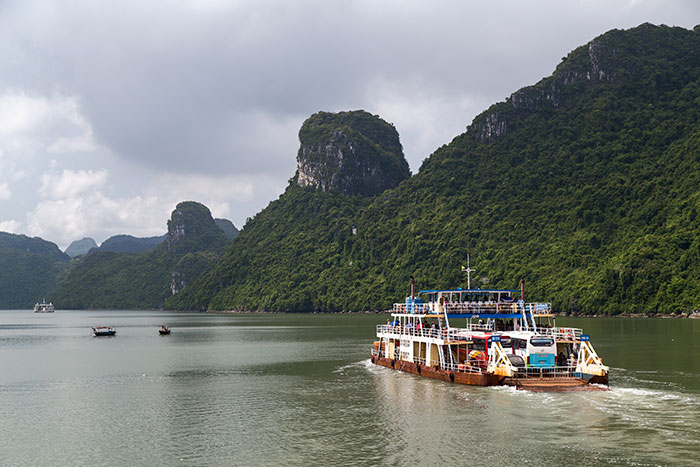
(177, 87)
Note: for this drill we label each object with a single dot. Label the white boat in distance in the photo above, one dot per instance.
(43, 307)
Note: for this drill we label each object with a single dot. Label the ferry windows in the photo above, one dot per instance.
(541, 342)
(506, 343)
(519, 344)
(479, 344)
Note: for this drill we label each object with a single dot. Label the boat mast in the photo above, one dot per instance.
(468, 270)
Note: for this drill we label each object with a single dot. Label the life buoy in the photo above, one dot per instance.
(479, 357)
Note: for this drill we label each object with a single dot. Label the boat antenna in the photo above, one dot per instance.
(469, 271)
(522, 289)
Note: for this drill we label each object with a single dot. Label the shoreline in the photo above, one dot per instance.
(694, 315)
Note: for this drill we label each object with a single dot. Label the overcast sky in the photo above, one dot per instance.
(111, 112)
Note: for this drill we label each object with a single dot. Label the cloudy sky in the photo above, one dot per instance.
(111, 112)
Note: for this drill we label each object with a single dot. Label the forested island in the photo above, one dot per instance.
(585, 184)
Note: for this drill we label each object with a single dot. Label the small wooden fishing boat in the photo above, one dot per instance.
(164, 330)
(99, 331)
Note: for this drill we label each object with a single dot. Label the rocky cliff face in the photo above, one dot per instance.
(612, 58)
(185, 221)
(193, 235)
(354, 153)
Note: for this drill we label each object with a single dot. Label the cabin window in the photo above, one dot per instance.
(541, 341)
(506, 343)
(520, 344)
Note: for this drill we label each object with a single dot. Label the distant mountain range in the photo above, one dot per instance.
(586, 184)
(143, 280)
(80, 247)
(130, 244)
(125, 271)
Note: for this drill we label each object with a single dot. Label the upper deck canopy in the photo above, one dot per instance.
(471, 291)
(469, 295)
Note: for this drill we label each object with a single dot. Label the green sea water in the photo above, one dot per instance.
(271, 389)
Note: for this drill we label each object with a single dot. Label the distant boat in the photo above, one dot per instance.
(43, 307)
(164, 330)
(98, 331)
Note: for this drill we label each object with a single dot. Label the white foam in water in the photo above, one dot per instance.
(361, 364)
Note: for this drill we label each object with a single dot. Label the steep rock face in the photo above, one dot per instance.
(354, 153)
(191, 231)
(192, 228)
(80, 247)
(615, 57)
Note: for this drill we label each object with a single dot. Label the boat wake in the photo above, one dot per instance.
(364, 364)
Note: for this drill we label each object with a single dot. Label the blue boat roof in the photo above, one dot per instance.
(487, 315)
(471, 291)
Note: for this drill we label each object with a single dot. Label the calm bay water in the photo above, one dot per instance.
(299, 389)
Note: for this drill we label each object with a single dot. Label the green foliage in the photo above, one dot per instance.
(590, 190)
(116, 280)
(26, 278)
(143, 280)
(34, 245)
(130, 244)
(29, 269)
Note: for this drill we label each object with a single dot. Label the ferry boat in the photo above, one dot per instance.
(487, 337)
(43, 307)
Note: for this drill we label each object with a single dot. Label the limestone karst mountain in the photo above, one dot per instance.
(585, 183)
(144, 280)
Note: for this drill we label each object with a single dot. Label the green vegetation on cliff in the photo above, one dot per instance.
(355, 153)
(586, 184)
(144, 280)
(130, 244)
(30, 268)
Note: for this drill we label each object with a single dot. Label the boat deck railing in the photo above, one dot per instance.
(478, 366)
(437, 333)
(456, 334)
(473, 308)
(546, 372)
(562, 334)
